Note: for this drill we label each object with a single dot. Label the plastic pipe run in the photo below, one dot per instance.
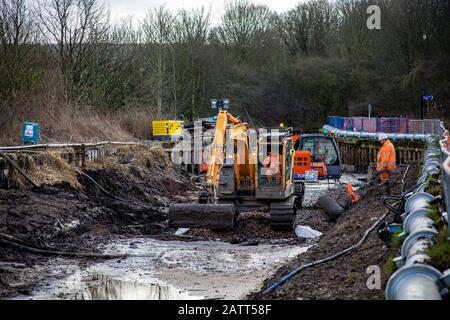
(446, 181)
(415, 280)
(445, 170)
(417, 220)
(374, 135)
(417, 201)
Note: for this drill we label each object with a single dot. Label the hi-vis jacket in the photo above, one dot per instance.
(386, 157)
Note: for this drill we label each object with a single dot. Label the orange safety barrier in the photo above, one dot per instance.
(351, 193)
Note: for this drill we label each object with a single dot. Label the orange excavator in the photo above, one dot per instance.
(237, 181)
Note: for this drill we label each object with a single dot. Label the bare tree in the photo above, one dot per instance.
(158, 33)
(72, 27)
(192, 30)
(242, 25)
(309, 28)
(16, 33)
(113, 68)
(293, 27)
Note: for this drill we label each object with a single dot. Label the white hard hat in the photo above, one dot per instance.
(382, 136)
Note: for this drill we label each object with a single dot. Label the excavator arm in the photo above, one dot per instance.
(217, 155)
(204, 215)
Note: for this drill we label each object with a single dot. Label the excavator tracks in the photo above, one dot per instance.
(283, 214)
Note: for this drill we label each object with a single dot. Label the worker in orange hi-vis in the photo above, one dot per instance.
(386, 162)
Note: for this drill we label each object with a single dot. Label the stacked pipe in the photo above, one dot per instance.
(415, 280)
(374, 135)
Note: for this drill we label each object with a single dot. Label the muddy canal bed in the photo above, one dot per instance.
(162, 270)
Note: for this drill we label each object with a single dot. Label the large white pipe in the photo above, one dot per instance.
(446, 182)
(417, 201)
(415, 282)
(374, 136)
(417, 220)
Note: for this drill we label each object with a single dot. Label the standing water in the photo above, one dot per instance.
(162, 270)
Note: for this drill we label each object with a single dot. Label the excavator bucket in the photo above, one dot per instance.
(207, 216)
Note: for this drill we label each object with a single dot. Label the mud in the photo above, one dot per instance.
(64, 217)
(344, 277)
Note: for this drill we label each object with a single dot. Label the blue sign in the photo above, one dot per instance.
(427, 98)
(30, 133)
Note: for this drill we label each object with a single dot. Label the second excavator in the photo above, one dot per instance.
(247, 170)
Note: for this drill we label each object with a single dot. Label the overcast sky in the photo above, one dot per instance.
(138, 8)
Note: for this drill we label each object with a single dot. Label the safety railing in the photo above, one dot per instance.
(68, 145)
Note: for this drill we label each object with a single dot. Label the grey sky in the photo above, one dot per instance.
(138, 8)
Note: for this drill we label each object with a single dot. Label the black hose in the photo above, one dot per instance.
(155, 209)
(7, 239)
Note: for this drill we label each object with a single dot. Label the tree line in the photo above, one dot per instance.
(296, 67)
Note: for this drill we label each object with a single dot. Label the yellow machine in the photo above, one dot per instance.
(167, 130)
(236, 180)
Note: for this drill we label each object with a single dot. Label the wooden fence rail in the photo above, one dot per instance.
(77, 154)
(360, 153)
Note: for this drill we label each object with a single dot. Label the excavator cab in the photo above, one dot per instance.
(274, 175)
(323, 149)
(318, 152)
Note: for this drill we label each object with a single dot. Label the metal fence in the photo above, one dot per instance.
(427, 126)
(387, 125)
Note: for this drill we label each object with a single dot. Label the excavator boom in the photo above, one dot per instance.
(203, 215)
(217, 149)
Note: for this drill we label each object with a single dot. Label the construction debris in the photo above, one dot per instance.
(307, 232)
